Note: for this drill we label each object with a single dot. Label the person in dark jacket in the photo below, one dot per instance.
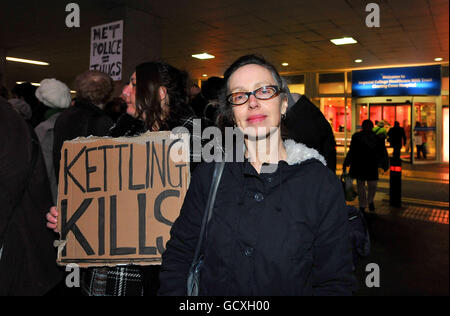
(306, 124)
(397, 138)
(27, 256)
(56, 95)
(25, 92)
(85, 117)
(420, 139)
(210, 90)
(279, 224)
(367, 153)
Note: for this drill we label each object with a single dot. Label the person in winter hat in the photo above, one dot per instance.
(56, 95)
(380, 130)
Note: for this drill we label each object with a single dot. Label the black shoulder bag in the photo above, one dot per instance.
(194, 271)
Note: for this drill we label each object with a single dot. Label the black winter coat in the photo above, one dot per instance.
(28, 262)
(80, 120)
(397, 136)
(367, 153)
(306, 124)
(281, 233)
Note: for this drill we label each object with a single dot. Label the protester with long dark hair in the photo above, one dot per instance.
(157, 101)
(279, 224)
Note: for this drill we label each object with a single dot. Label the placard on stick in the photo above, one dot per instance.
(118, 197)
(106, 49)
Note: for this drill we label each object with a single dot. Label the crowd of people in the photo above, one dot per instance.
(277, 232)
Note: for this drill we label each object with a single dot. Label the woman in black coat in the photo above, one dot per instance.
(279, 224)
(367, 153)
(27, 256)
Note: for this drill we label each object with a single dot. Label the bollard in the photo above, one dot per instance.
(395, 183)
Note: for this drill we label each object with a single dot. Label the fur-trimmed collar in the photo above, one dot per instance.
(298, 153)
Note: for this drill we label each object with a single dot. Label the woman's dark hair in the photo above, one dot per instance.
(367, 125)
(211, 88)
(150, 77)
(225, 115)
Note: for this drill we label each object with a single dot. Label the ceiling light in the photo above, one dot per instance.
(38, 85)
(284, 64)
(32, 83)
(439, 59)
(203, 56)
(27, 61)
(343, 41)
(358, 60)
(204, 75)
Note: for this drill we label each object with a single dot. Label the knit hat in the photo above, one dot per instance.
(54, 94)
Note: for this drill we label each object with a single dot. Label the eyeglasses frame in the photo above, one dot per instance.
(278, 90)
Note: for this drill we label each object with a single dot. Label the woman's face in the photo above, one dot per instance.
(129, 95)
(256, 118)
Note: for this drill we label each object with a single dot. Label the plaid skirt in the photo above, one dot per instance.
(127, 280)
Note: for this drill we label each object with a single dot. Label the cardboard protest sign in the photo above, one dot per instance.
(118, 197)
(106, 49)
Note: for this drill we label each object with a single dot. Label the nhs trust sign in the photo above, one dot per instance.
(424, 80)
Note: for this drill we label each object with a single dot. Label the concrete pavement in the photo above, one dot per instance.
(410, 244)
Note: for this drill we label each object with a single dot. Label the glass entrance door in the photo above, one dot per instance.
(389, 114)
(403, 116)
(424, 132)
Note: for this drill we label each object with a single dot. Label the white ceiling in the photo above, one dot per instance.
(293, 31)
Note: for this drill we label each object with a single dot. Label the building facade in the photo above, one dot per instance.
(416, 97)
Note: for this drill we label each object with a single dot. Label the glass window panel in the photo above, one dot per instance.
(403, 116)
(445, 132)
(296, 79)
(389, 115)
(338, 116)
(426, 116)
(331, 83)
(444, 86)
(445, 100)
(361, 115)
(375, 113)
(297, 88)
(296, 83)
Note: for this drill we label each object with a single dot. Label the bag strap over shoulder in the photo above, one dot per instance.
(218, 170)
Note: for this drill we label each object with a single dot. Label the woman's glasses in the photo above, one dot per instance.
(263, 93)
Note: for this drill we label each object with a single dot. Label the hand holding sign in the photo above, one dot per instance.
(52, 219)
(118, 197)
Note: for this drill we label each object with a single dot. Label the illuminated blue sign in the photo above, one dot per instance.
(424, 80)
